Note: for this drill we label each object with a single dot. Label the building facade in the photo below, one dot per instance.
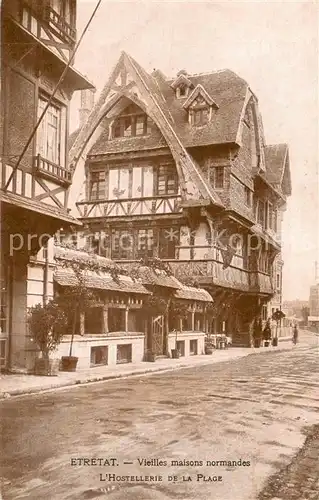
(178, 169)
(37, 39)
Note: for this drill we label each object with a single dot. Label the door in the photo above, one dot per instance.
(158, 335)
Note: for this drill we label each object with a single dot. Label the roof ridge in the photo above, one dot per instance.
(203, 73)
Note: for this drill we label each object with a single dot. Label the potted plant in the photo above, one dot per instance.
(73, 300)
(175, 352)
(267, 334)
(277, 316)
(47, 325)
(209, 346)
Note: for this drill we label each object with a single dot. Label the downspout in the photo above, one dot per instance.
(46, 274)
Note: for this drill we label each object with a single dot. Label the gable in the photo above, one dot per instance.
(130, 80)
(278, 167)
(199, 96)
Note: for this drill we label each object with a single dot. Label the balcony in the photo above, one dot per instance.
(211, 272)
(261, 283)
(59, 26)
(132, 207)
(51, 171)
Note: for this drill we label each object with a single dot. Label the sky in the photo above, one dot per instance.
(272, 45)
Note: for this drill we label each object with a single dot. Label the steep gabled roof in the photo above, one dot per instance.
(146, 90)
(277, 167)
(229, 91)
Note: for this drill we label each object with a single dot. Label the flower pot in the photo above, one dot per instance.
(275, 342)
(46, 367)
(150, 356)
(68, 363)
(208, 349)
(175, 353)
(267, 343)
(256, 342)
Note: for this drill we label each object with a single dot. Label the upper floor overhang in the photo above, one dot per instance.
(35, 207)
(73, 78)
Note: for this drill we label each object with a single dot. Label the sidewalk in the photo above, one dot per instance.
(19, 384)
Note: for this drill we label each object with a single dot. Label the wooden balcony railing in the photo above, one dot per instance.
(211, 272)
(52, 171)
(152, 205)
(261, 282)
(59, 25)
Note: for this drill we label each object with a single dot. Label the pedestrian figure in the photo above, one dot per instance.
(295, 335)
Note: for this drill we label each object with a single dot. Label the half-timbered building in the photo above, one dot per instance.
(37, 40)
(179, 169)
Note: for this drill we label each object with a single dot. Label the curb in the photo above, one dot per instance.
(150, 371)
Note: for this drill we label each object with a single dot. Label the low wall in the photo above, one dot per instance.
(186, 338)
(82, 347)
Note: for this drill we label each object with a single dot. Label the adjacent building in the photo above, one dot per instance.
(178, 169)
(37, 39)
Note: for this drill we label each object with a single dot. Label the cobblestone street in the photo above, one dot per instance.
(300, 480)
(241, 420)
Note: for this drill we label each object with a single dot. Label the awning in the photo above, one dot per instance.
(156, 277)
(38, 207)
(100, 281)
(192, 293)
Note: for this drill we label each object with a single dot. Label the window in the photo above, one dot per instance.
(122, 244)
(168, 240)
(99, 355)
(119, 180)
(180, 346)
(51, 132)
(131, 124)
(263, 264)
(248, 197)
(264, 313)
(182, 91)
(97, 185)
(274, 222)
(278, 281)
(62, 7)
(124, 353)
(93, 321)
(145, 243)
(200, 116)
(193, 347)
(116, 320)
(261, 213)
(216, 177)
(198, 322)
(167, 180)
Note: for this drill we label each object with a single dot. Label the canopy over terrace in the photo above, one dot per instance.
(121, 292)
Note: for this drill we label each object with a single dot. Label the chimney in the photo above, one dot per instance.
(87, 103)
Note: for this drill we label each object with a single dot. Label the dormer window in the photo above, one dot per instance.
(182, 91)
(199, 106)
(182, 85)
(199, 116)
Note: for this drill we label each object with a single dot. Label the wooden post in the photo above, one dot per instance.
(126, 318)
(82, 323)
(193, 318)
(106, 319)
